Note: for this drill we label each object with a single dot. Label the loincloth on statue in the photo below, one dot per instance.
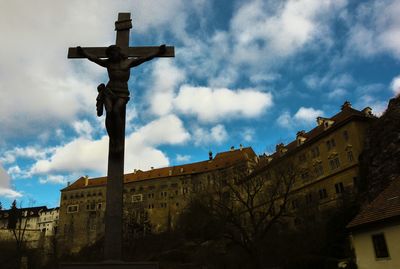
(106, 97)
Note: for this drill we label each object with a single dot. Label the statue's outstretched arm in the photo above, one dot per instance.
(138, 61)
(91, 57)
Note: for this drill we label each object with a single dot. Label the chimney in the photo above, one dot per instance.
(232, 148)
(301, 137)
(320, 120)
(367, 111)
(68, 183)
(210, 155)
(134, 171)
(241, 147)
(86, 180)
(152, 167)
(346, 104)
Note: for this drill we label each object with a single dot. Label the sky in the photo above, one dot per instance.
(248, 72)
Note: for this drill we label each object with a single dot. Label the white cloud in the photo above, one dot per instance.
(337, 93)
(285, 120)
(182, 158)
(83, 154)
(166, 77)
(216, 135)
(376, 29)
(395, 85)
(53, 179)
(367, 100)
(212, 105)
(29, 152)
(248, 134)
(83, 128)
(260, 34)
(305, 116)
(36, 75)
(5, 189)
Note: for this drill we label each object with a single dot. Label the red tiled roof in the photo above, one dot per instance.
(221, 160)
(385, 206)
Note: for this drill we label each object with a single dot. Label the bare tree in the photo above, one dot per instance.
(250, 204)
(17, 224)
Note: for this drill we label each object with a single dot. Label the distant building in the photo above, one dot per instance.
(48, 221)
(29, 217)
(326, 159)
(375, 231)
(35, 223)
(153, 199)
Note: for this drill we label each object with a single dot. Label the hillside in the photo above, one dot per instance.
(380, 160)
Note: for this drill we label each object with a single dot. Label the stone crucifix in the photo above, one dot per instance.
(118, 59)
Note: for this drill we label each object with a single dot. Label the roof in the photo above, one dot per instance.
(345, 115)
(32, 211)
(385, 206)
(221, 160)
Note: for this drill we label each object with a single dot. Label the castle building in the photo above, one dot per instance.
(153, 199)
(327, 168)
(326, 159)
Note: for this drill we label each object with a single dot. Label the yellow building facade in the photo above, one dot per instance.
(325, 159)
(153, 199)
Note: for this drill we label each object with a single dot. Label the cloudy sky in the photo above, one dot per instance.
(248, 72)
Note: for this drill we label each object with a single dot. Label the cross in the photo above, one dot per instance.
(122, 26)
(114, 97)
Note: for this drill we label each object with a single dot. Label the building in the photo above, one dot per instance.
(327, 168)
(153, 199)
(48, 221)
(33, 225)
(325, 159)
(375, 231)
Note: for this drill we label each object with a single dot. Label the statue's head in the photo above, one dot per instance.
(113, 52)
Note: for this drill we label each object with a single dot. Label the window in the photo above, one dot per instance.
(150, 195)
(339, 188)
(72, 208)
(330, 143)
(91, 207)
(322, 194)
(305, 175)
(380, 247)
(318, 170)
(345, 135)
(315, 152)
(350, 156)
(137, 198)
(302, 157)
(334, 163)
(309, 198)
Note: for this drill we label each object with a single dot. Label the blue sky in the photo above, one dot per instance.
(245, 72)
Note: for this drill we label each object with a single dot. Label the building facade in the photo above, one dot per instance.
(327, 169)
(153, 199)
(375, 231)
(326, 160)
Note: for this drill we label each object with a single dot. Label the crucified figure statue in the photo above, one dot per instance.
(115, 94)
